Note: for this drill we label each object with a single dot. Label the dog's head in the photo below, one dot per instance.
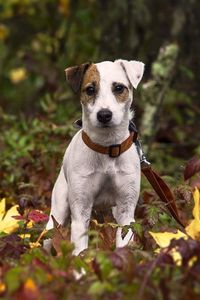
(105, 89)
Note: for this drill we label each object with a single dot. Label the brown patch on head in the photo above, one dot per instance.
(120, 91)
(74, 76)
(90, 85)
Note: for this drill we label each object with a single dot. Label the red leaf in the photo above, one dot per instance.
(18, 217)
(97, 269)
(11, 246)
(122, 259)
(147, 197)
(29, 291)
(192, 167)
(60, 233)
(37, 216)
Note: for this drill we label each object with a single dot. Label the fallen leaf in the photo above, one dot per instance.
(2, 208)
(122, 260)
(8, 223)
(106, 234)
(193, 229)
(192, 167)
(163, 239)
(60, 234)
(189, 250)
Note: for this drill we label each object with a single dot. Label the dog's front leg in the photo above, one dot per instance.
(79, 235)
(81, 207)
(123, 217)
(123, 212)
(59, 206)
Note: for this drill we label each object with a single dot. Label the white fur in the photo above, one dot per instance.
(88, 178)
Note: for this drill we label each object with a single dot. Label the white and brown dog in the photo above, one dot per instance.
(88, 178)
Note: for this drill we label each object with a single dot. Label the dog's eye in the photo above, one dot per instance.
(90, 90)
(119, 88)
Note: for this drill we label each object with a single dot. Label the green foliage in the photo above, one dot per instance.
(12, 279)
(36, 49)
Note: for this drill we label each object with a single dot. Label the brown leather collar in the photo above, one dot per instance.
(112, 150)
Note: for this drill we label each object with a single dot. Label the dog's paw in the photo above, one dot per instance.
(79, 275)
(47, 245)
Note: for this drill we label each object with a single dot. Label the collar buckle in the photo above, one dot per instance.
(114, 150)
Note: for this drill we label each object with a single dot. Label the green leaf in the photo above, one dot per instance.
(12, 279)
(99, 288)
(124, 231)
(137, 229)
(152, 214)
(105, 264)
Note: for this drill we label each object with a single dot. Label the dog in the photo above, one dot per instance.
(88, 178)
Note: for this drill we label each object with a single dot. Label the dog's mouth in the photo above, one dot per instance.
(100, 125)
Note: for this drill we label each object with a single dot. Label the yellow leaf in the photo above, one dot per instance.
(2, 208)
(196, 209)
(192, 261)
(64, 7)
(193, 229)
(3, 32)
(37, 243)
(177, 258)
(29, 224)
(2, 287)
(34, 245)
(25, 235)
(8, 224)
(163, 239)
(30, 285)
(17, 75)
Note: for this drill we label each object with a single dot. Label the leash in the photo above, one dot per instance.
(157, 183)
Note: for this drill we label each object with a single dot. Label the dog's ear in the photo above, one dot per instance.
(74, 76)
(134, 70)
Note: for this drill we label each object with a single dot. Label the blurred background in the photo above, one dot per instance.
(39, 39)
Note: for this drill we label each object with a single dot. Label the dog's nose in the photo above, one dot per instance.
(104, 116)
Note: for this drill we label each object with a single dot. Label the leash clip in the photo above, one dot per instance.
(143, 160)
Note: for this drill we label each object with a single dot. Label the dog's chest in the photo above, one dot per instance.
(108, 167)
(106, 191)
(108, 174)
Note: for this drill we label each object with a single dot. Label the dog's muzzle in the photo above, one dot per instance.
(104, 116)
